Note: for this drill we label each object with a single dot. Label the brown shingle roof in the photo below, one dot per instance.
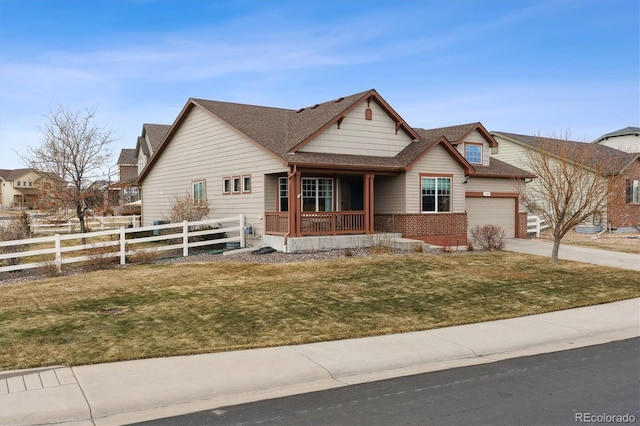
(156, 133)
(606, 159)
(497, 168)
(284, 132)
(127, 157)
(13, 174)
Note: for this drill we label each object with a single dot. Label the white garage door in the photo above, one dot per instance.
(495, 211)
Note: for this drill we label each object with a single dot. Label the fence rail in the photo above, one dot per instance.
(535, 224)
(176, 235)
(40, 226)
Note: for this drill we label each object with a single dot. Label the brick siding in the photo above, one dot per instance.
(437, 229)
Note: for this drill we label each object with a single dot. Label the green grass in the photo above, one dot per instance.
(165, 310)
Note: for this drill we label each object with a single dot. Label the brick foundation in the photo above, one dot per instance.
(441, 229)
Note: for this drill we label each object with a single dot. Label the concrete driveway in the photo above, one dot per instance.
(577, 253)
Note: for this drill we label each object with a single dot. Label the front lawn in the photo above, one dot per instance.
(177, 309)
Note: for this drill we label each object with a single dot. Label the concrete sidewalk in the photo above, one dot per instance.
(132, 391)
(577, 253)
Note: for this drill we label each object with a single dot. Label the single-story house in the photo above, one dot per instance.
(627, 139)
(348, 166)
(623, 204)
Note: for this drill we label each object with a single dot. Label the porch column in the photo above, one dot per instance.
(368, 203)
(294, 204)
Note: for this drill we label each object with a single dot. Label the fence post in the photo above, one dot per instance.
(537, 226)
(123, 246)
(185, 238)
(242, 234)
(58, 253)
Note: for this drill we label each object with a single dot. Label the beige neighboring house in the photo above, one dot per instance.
(348, 166)
(131, 161)
(627, 139)
(18, 188)
(623, 206)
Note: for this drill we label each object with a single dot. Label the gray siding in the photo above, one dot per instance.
(437, 161)
(389, 195)
(359, 136)
(204, 148)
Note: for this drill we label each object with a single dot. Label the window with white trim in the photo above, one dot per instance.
(436, 194)
(226, 185)
(236, 184)
(199, 193)
(473, 153)
(283, 194)
(633, 191)
(317, 194)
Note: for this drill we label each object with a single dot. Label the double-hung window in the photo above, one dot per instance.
(633, 191)
(283, 193)
(317, 194)
(436, 194)
(199, 193)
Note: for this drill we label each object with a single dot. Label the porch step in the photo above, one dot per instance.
(409, 244)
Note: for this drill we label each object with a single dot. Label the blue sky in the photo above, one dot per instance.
(532, 67)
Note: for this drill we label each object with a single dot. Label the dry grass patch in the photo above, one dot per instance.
(164, 310)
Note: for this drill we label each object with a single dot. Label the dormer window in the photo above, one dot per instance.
(473, 153)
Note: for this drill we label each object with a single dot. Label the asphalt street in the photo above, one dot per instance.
(559, 388)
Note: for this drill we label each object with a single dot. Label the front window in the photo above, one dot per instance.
(436, 194)
(283, 192)
(633, 191)
(473, 153)
(199, 193)
(317, 194)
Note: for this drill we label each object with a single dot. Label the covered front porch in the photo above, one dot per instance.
(318, 203)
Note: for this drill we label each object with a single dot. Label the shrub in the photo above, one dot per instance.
(17, 228)
(488, 237)
(184, 208)
(101, 257)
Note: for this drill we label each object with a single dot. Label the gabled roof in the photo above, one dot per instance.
(155, 133)
(500, 169)
(127, 157)
(11, 175)
(457, 134)
(285, 132)
(627, 131)
(611, 160)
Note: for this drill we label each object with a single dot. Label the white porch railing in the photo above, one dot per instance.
(123, 241)
(535, 224)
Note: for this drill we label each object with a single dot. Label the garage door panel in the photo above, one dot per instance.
(495, 211)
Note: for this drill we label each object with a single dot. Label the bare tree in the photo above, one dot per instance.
(574, 183)
(74, 154)
(183, 207)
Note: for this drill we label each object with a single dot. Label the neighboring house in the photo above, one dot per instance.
(348, 166)
(18, 188)
(623, 206)
(627, 139)
(132, 161)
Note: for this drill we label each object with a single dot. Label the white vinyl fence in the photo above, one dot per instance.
(535, 224)
(40, 226)
(123, 242)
